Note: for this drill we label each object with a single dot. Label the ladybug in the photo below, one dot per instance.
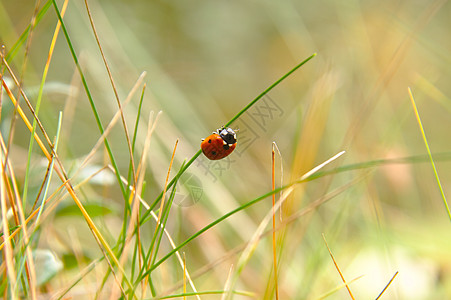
(220, 144)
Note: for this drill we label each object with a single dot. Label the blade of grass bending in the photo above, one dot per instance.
(91, 101)
(188, 164)
(304, 178)
(417, 115)
(269, 89)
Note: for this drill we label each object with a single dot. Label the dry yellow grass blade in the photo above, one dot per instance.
(338, 268)
(8, 253)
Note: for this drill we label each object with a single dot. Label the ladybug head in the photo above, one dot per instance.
(228, 135)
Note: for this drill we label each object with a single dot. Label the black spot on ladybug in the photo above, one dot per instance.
(209, 141)
(213, 152)
(226, 147)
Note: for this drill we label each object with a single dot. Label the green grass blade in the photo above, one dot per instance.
(91, 101)
(437, 178)
(127, 208)
(269, 89)
(188, 164)
(212, 224)
(165, 217)
(148, 257)
(135, 131)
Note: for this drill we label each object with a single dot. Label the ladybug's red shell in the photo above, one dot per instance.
(220, 144)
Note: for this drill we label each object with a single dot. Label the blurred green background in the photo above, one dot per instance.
(206, 60)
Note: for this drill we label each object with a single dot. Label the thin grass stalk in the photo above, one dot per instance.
(135, 130)
(2, 70)
(137, 249)
(338, 269)
(184, 275)
(110, 76)
(162, 226)
(274, 246)
(425, 140)
(386, 287)
(157, 227)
